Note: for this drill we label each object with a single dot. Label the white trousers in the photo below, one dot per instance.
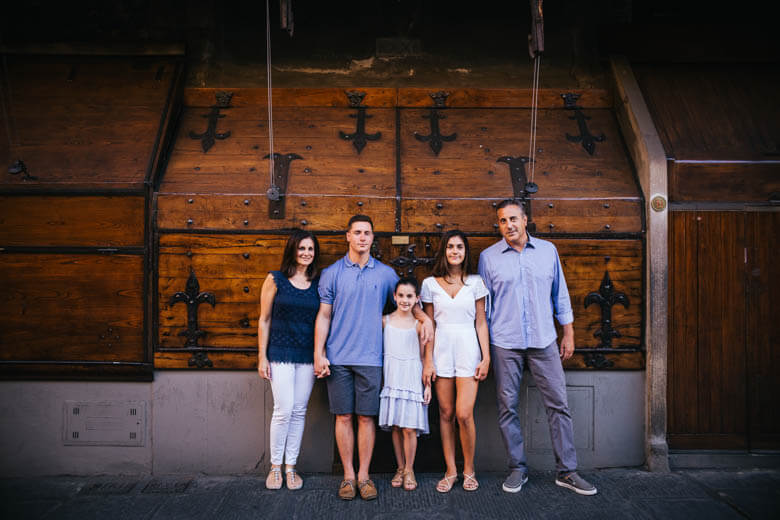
(291, 384)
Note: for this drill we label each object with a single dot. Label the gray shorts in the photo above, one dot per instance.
(354, 389)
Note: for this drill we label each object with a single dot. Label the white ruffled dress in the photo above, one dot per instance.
(401, 401)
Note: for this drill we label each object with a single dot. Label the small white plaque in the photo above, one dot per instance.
(104, 423)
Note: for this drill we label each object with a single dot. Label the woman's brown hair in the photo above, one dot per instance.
(290, 255)
(440, 264)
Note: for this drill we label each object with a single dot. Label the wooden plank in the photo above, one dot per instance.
(763, 329)
(291, 97)
(502, 97)
(251, 212)
(721, 332)
(724, 181)
(83, 302)
(550, 215)
(683, 388)
(468, 166)
(84, 123)
(219, 263)
(72, 221)
(715, 441)
(328, 163)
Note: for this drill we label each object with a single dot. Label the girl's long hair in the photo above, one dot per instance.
(440, 264)
(290, 255)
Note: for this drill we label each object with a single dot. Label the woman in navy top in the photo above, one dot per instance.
(285, 351)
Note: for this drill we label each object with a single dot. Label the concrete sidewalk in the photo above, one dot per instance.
(623, 493)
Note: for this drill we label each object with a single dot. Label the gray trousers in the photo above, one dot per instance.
(545, 365)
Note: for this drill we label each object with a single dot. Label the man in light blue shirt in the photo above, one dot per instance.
(527, 289)
(348, 348)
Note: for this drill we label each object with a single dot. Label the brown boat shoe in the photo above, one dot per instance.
(367, 489)
(347, 489)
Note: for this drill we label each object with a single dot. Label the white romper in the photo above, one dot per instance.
(456, 351)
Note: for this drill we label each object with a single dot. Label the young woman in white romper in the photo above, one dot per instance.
(455, 299)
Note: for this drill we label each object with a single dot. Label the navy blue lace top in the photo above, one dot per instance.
(291, 338)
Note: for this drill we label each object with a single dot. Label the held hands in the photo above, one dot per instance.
(427, 394)
(482, 369)
(567, 347)
(264, 368)
(321, 367)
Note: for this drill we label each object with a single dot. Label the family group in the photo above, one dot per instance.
(382, 367)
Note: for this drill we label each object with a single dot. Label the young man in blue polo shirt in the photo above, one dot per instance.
(527, 289)
(348, 348)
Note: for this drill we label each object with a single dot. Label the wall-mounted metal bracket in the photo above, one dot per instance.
(19, 167)
(359, 137)
(606, 297)
(277, 192)
(435, 139)
(587, 139)
(210, 135)
(521, 188)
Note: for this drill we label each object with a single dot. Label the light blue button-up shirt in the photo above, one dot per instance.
(358, 297)
(526, 290)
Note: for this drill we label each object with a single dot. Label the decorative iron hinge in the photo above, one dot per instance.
(411, 261)
(597, 360)
(277, 192)
(606, 298)
(435, 139)
(19, 167)
(359, 137)
(587, 139)
(193, 298)
(521, 188)
(210, 135)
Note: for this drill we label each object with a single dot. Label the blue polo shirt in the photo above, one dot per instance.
(358, 297)
(527, 289)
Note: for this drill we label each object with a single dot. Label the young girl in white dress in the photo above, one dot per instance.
(455, 299)
(403, 403)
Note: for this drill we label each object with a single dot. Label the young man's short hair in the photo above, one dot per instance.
(359, 218)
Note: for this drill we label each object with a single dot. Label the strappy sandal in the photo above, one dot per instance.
(398, 478)
(294, 481)
(410, 483)
(274, 479)
(445, 484)
(469, 482)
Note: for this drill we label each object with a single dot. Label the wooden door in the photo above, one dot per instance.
(724, 371)
(762, 232)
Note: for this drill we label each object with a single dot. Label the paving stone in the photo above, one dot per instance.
(27, 510)
(189, 506)
(249, 504)
(633, 484)
(756, 503)
(56, 488)
(168, 485)
(115, 507)
(735, 479)
(686, 509)
(109, 487)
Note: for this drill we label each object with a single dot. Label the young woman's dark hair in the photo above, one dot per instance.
(440, 265)
(408, 280)
(290, 255)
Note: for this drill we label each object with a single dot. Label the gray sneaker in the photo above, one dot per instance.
(514, 482)
(576, 483)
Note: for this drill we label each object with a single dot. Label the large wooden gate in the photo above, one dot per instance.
(417, 161)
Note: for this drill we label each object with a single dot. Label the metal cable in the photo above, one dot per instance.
(270, 94)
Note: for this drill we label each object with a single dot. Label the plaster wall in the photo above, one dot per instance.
(217, 423)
